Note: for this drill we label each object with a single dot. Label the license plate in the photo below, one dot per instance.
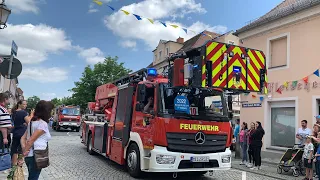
(200, 159)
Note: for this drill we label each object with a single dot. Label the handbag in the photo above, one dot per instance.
(5, 157)
(41, 157)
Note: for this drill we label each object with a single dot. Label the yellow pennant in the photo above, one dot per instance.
(150, 20)
(209, 35)
(175, 26)
(98, 2)
(285, 84)
(126, 12)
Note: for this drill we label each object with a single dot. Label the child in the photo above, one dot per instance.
(308, 156)
(317, 159)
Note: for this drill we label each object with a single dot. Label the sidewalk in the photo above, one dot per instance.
(267, 170)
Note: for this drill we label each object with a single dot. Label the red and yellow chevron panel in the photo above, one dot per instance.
(237, 62)
(257, 62)
(215, 53)
(229, 60)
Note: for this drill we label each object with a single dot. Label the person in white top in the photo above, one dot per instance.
(39, 138)
(303, 132)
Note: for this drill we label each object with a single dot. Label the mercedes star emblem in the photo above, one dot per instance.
(200, 138)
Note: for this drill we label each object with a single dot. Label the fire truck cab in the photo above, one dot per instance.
(178, 123)
(66, 117)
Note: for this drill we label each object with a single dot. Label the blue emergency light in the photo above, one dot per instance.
(152, 72)
(236, 69)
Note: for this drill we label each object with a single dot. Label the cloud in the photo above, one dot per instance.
(92, 55)
(44, 75)
(34, 42)
(19, 6)
(72, 66)
(128, 27)
(128, 44)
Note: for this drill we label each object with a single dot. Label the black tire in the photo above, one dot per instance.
(89, 145)
(295, 173)
(57, 127)
(78, 129)
(133, 161)
(279, 170)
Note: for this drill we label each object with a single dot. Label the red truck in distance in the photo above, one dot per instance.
(67, 117)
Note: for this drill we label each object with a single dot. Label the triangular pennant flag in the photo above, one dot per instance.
(294, 83)
(150, 20)
(279, 91)
(261, 98)
(185, 30)
(137, 16)
(175, 26)
(111, 8)
(316, 73)
(126, 12)
(98, 2)
(254, 96)
(163, 24)
(306, 79)
(209, 36)
(203, 34)
(285, 84)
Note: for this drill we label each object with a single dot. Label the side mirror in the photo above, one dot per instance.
(139, 106)
(141, 94)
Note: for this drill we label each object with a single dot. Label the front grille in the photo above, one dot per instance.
(185, 142)
(186, 164)
(66, 119)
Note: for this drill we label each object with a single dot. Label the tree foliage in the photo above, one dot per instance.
(32, 102)
(101, 73)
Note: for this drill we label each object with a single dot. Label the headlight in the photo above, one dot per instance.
(165, 159)
(226, 159)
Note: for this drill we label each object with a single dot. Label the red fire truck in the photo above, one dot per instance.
(67, 117)
(178, 123)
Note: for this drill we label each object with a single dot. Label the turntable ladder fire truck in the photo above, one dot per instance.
(178, 123)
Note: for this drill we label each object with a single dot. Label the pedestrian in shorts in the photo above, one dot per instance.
(308, 158)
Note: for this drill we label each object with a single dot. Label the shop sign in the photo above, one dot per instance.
(272, 87)
(247, 105)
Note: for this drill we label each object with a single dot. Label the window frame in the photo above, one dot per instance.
(268, 52)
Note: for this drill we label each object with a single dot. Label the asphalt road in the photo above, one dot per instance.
(70, 160)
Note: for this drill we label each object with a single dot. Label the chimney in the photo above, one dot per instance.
(180, 40)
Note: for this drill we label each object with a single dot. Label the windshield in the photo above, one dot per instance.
(71, 111)
(193, 103)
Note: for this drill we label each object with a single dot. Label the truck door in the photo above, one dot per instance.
(144, 113)
(122, 125)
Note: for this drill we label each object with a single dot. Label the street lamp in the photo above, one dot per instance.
(4, 14)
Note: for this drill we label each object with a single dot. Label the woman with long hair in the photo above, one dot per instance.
(244, 142)
(20, 120)
(257, 136)
(36, 137)
(250, 150)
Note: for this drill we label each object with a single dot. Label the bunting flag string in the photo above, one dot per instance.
(295, 83)
(152, 21)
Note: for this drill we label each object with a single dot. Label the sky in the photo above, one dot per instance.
(57, 38)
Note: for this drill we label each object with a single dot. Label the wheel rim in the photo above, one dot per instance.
(132, 160)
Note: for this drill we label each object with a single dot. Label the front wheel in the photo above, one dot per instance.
(133, 161)
(89, 145)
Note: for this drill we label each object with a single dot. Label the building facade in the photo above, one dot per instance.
(288, 35)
